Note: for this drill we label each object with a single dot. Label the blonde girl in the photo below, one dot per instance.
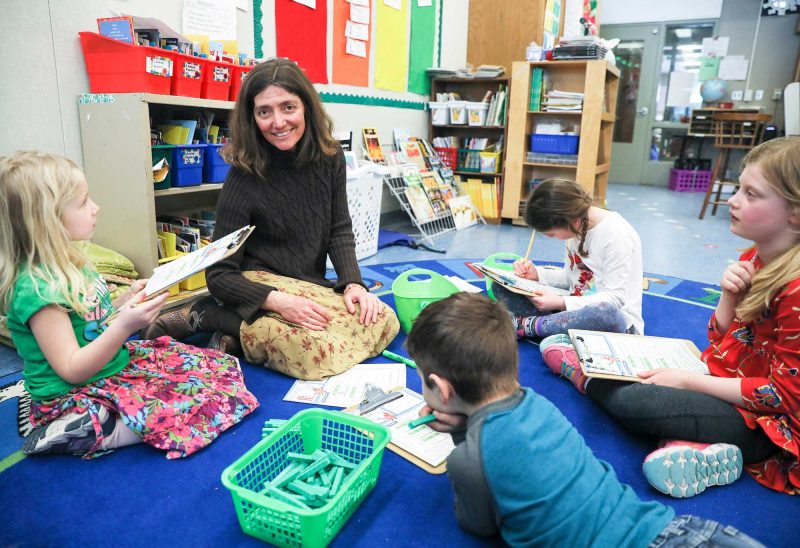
(747, 411)
(602, 269)
(91, 390)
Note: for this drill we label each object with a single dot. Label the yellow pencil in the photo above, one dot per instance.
(530, 245)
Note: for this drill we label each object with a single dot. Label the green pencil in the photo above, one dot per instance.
(398, 358)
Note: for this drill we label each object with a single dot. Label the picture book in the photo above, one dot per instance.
(514, 283)
(432, 189)
(373, 145)
(622, 356)
(417, 196)
(414, 154)
(346, 389)
(421, 445)
(463, 212)
(118, 28)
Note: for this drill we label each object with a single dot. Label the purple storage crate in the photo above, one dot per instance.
(554, 144)
(689, 180)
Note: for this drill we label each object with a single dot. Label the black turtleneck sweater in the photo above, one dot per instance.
(300, 215)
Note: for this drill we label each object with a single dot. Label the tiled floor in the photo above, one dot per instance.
(674, 241)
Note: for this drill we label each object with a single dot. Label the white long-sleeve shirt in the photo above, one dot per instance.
(612, 273)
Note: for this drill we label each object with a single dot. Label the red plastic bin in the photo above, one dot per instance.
(217, 80)
(449, 156)
(239, 74)
(187, 78)
(117, 67)
(689, 180)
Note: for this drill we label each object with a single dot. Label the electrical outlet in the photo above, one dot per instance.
(736, 95)
(759, 94)
(748, 95)
(777, 94)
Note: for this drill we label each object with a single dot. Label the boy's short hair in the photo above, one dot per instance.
(469, 340)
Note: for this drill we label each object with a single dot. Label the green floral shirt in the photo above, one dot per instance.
(41, 380)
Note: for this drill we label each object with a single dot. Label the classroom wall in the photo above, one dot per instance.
(46, 75)
(620, 12)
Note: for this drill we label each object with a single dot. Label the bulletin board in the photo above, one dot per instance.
(366, 52)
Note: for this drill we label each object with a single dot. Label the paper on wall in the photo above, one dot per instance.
(360, 2)
(216, 18)
(733, 67)
(679, 92)
(310, 3)
(356, 47)
(359, 14)
(395, 4)
(715, 47)
(424, 3)
(356, 30)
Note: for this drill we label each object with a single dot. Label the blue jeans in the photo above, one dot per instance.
(599, 317)
(690, 531)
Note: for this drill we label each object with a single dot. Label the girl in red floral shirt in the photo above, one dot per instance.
(747, 411)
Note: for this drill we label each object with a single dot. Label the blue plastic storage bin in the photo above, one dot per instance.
(554, 144)
(215, 169)
(187, 165)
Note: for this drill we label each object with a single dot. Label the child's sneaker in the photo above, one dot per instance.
(558, 338)
(70, 434)
(562, 360)
(684, 469)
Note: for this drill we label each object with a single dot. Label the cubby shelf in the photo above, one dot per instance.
(117, 159)
(598, 81)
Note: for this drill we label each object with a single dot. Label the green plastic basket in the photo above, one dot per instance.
(411, 296)
(354, 438)
(500, 261)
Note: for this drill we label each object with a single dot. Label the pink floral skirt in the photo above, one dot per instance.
(177, 397)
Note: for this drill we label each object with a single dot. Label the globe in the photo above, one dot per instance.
(713, 90)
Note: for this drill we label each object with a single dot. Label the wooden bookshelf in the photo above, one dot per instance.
(473, 90)
(598, 81)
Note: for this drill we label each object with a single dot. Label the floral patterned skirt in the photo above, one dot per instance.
(312, 355)
(176, 397)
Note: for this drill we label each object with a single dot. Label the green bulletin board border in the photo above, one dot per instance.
(347, 98)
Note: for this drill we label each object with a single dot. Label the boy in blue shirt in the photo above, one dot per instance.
(520, 469)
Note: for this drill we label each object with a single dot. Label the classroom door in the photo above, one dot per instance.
(636, 56)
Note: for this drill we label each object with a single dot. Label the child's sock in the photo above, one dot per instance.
(525, 326)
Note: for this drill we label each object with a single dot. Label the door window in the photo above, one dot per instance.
(629, 62)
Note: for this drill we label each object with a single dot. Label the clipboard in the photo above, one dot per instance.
(397, 423)
(190, 264)
(620, 356)
(515, 284)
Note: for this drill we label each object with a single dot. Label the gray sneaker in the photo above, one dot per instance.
(71, 434)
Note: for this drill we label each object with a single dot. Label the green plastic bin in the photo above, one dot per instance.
(411, 296)
(500, 261)
(354, 438)
(159, 152)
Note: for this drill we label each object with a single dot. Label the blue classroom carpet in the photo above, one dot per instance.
(135, 497)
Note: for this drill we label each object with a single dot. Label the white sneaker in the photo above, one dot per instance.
(69, 434)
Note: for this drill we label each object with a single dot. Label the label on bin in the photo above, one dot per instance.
(159, 66)
(191, 156)
(222, 74)
(191, 70)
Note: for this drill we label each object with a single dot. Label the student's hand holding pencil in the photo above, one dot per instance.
(524, 268)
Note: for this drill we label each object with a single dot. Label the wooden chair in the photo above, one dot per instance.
(732, 130)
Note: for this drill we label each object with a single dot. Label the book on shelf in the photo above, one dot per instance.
(372, 143)
(622, 356)
(433, 189)
(463, 212)
(536, 89)
(118, 28)
(414, 155)
(416, 195)
(516, 284)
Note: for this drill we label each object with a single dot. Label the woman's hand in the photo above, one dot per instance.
(524, 269)
(298, 310)
(371, 306)
(137, 312)
(547, 302)
(445, 422)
